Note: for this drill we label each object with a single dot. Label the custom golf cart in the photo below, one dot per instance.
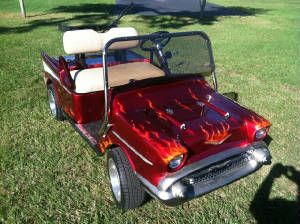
(147, 102)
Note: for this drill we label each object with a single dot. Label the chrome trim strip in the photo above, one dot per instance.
(132, 149)
(215, 82)
(49, 70)
(171, 178)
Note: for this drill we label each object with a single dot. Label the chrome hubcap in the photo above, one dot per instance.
(114, 179)
(52, 104)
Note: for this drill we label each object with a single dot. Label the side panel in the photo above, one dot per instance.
(82, 108)
(87, 107)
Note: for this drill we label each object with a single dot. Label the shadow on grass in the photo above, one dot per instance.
(95, 12)
(232, 95)
(183, 18)
(89, 13)
(268, 139)
(276, 210)
(35, 24)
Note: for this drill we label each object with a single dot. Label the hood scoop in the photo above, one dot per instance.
(199, 119)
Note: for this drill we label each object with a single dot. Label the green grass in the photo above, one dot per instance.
(49, 174)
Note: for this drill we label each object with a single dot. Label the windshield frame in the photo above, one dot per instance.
(105, 124)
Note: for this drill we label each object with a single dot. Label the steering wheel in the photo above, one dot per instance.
(158, 42)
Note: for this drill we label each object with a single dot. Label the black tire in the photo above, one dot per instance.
(132, 194)
(55, 109)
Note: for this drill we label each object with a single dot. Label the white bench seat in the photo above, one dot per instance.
(91, 80)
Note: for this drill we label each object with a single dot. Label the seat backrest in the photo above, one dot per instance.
(82, 41)
(90, 41)
(120, 32)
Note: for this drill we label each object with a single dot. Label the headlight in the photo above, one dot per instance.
(260, 134)
(176, 162)
(262, 156)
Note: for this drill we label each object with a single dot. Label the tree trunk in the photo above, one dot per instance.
(202, 7)
(22, 6)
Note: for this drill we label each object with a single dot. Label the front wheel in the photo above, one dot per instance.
(126, 188)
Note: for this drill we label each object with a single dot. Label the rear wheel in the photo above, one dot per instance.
(126, 188)
(53, 105)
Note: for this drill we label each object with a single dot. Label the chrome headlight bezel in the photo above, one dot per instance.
(260, 134)
(176, 162)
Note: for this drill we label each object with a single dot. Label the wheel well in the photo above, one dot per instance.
(48, 82)
(112, 146)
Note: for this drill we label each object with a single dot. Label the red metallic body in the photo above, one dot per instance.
(181, 137)
(139, 116)
(82, 108)
(163, 120)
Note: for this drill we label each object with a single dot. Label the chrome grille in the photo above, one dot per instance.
(216, 170)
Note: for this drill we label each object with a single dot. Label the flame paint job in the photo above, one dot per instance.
(260, 122)
(105, 143)
(141, 115)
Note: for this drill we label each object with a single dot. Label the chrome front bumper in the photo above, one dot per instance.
(209, 174)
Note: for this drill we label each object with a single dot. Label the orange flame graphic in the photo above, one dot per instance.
(140, 95)
(193, 95)
(183, 105)
(215, 135)
(121, 107)
(260, 122)
(150, 104)
(104, 144)
(168, 147)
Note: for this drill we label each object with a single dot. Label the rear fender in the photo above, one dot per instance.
(48, 81)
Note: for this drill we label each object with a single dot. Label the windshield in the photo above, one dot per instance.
(156, 55)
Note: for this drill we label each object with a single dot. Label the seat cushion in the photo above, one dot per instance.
(88, 80)
(91, 80)
(122, 74)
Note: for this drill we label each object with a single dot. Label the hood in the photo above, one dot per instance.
(198, 122)
(189, 114)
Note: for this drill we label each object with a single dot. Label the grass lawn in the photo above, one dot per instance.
(49, 174)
